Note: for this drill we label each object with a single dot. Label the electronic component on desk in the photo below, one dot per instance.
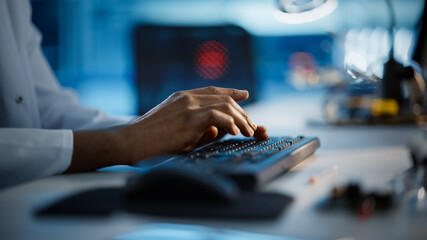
(249, 162)
(363, 203)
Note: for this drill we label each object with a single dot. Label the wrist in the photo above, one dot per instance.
(120, 144)
(95, 149)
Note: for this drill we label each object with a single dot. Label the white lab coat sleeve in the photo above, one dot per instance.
(29, 154)
(59, 108)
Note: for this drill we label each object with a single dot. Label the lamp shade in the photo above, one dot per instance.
(303, 11)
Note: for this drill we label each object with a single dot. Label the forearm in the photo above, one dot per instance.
(96, 149)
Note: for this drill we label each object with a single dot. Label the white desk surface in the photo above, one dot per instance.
(370, 155)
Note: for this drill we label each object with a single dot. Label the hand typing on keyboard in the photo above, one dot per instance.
(184, 121)
(189, 119)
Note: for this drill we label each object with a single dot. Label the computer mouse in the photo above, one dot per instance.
(179, 184)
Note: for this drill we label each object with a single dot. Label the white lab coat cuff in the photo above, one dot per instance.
(67, 151)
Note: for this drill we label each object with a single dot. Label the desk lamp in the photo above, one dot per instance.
(399, 97)
(303, 11)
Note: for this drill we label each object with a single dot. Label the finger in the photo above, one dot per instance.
(221, 134)
(261, 133)
(204, 140)
(209, 135)
(239, 120)
(236, 94)
(205, 100)
(216, 118)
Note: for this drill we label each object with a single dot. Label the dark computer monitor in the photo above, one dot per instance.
(171, 58)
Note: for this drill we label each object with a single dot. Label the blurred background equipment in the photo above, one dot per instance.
(353, 197)
(399, 96)
(91, 44)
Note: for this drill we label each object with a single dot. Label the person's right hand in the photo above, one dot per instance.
(186, 120)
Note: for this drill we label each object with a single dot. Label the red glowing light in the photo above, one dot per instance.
(211, 60)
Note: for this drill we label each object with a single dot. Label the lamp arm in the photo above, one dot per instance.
(391, 26)
(420, 52)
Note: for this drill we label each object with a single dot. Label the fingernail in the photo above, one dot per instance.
(236, 130)
(251, 132)
(253, 125)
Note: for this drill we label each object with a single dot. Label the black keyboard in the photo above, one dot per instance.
(249, 162)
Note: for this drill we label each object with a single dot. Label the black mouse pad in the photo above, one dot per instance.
(101, 202)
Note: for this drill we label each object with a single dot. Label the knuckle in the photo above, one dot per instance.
(177, 94)
(179, 98)
(185, 98)
(211, 113)
(212, 89)
(245, 114)
(231, 122)
(228, 107)
(228, 99)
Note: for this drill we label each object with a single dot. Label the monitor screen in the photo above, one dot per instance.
(170, 58)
